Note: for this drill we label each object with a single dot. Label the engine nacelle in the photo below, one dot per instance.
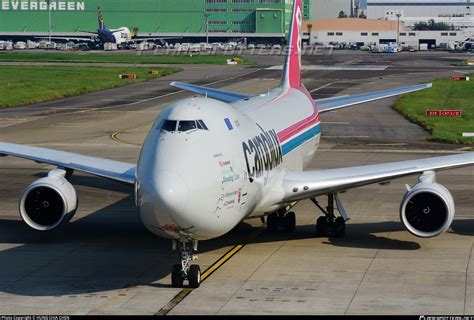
(427, 209)
(48, 202)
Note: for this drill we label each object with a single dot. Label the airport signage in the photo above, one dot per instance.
(444, 113)
(42, 5)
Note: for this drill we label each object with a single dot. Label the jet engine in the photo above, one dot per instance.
(427, 209)
(48, 202)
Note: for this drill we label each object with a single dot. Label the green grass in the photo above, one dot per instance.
(116, 58)
(461, 64)
(446, 94)
(20, 85)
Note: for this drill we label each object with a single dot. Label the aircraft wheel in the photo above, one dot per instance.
(339, 227)
(176, 276)
(289, 222)
(272, 223)
(322, 227)
(194, 276)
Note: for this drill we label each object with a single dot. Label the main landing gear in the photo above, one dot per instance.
(328, 225)
(186, 271)
(281, 221)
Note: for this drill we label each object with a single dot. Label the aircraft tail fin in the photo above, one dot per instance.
(291, 77)
(100, 18)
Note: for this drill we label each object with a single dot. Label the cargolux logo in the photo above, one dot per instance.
(262, 154)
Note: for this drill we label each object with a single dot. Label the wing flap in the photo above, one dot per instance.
(113, 170)
(329, 104)
(221, 95)
(308, 184)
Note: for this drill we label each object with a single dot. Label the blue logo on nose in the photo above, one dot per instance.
(229, 124)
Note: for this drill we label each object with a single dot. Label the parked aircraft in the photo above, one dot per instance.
(120, 36)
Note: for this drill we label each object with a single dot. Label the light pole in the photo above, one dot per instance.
(398, 28)
(49, 21)
(310, 28)
(207, 27)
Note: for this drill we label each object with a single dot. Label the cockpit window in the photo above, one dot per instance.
(182, 125)
(169, 125)
(201, 125)
(186, 125)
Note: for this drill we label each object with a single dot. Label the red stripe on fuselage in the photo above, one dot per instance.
(302, 125)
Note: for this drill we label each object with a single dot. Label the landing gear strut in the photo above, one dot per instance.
(329, 225)
(186, 271)
(281, 221)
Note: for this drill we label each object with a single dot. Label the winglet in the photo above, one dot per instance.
(292, 69)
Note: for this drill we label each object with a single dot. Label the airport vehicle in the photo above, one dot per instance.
(122, 36)
(19, 45)
(210, 162)
(6, 45)
(468, 44)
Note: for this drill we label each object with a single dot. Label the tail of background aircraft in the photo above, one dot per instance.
(292, 69)
(101, 19)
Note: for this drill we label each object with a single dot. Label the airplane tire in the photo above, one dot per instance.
(194, 276)
(176, 276)
(322, 227)
(339, 227)
(289, 222)
(272, 223)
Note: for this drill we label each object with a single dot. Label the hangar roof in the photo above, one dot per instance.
(354, 24)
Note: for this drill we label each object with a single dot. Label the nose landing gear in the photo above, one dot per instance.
(329, 225)
(186, 271)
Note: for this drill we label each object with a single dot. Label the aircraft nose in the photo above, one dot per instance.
(172, 192)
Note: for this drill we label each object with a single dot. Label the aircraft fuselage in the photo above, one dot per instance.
(200, 181)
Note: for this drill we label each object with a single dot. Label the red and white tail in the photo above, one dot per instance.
(292, 69)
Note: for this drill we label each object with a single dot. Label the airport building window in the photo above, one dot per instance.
(216, 10)
(339, 33)
(330, 33)
(375, 33)
(444, 33)
(452, 33)
(217, 22)
(248, 23)
(412, 34)
(364, 34)
(403, 34)
(243, 10)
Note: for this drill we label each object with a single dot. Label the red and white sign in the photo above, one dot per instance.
(444, 113)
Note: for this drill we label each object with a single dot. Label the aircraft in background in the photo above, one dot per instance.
(209, 163)
(121, 36)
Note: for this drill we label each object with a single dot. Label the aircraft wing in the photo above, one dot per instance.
(89, 39)
(138, 39)
(308, 184)
(225, 96)
(329, 104)
(113, 170)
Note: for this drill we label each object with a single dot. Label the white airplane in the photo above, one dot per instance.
(209, 163)
(118, 36)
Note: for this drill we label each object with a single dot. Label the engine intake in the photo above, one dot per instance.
(48, 202)
(427, 209)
